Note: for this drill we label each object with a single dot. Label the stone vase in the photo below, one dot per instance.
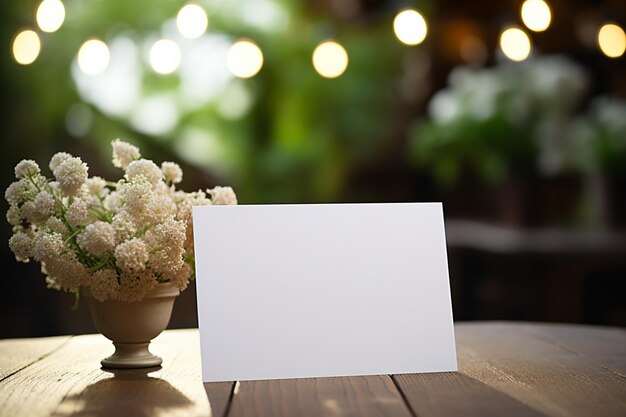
(131, 326)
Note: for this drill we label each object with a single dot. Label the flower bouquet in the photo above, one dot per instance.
(118, 241)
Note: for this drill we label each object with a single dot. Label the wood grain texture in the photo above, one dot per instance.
(16, 354)
(604, 345)
(219, 395)
(444, 394)
(70, 382)
(344, 396)
(505, 369)
(546, 376)
(39, 389)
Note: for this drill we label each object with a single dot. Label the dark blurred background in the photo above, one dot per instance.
(518, 124)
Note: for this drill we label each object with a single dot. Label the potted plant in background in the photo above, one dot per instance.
(600, 152)
(503, 128)
(126, 245)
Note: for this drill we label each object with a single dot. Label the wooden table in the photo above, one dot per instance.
(505, 369)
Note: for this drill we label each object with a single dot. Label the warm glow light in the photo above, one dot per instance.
(192, 21)
(515, 44)
(26, 47)
(330, 59)
(410, 27)
(473, 50)
(245, 59)
(93, 57)
(50, 15)
(536, 15)
(612, 40)
(165, 56)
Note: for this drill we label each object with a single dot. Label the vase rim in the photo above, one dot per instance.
(161, 290)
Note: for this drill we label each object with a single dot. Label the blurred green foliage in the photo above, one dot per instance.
(298, 136)
(497, 122)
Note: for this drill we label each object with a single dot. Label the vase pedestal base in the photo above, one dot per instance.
(131, 355)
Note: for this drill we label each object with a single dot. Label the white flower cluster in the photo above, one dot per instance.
(118, 240)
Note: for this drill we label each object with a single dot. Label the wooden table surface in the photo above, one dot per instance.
(505, 369)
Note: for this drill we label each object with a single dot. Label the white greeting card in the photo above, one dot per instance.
(293, 291)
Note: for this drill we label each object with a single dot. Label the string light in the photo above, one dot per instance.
(50, 15)
(192, 21)
(93, 57)
(612, 40)
(26, 47)
(536, 15)
(244, 59)
(515, 44)
(410, 27)
(165, 56)
(330, 59)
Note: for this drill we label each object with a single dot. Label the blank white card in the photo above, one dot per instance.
(294, 291)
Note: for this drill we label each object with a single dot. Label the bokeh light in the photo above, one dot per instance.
(165, 56)
(192, 21)
(244, 59)
(612, 40)
(410, 27)
(536, 15)
(515, 44)
(26, 47)
(50, 15)
(93, 57)
(330, 59)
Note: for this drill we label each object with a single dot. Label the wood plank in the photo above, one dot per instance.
(38, 389)
(454, 394)
(604, 345)
(343, 396)
(219, 395)
(543, 375)
(16, 354)
(70, 381)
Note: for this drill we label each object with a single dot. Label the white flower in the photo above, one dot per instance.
(22, 190)
(185, 202)
(223, 196)
(124, 226)
(136, 197)
(131, 255)
(56, 225)
(167, 241)
(183, 276)
(148, 239)
(26, 168)
(159, 209)
(103, 284)
(13, 193)
(14, 215)
(78, 213)
(71, 175)
(146, 168)
(124, 153)
(97, 186)
(113, 201)
(97, 238)
(172, 172)
(48, 246)
(57, 159)
(66, 271)
(134, 285)
(169, 234)
(21, 245)
(45, 205)
(29, 212)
